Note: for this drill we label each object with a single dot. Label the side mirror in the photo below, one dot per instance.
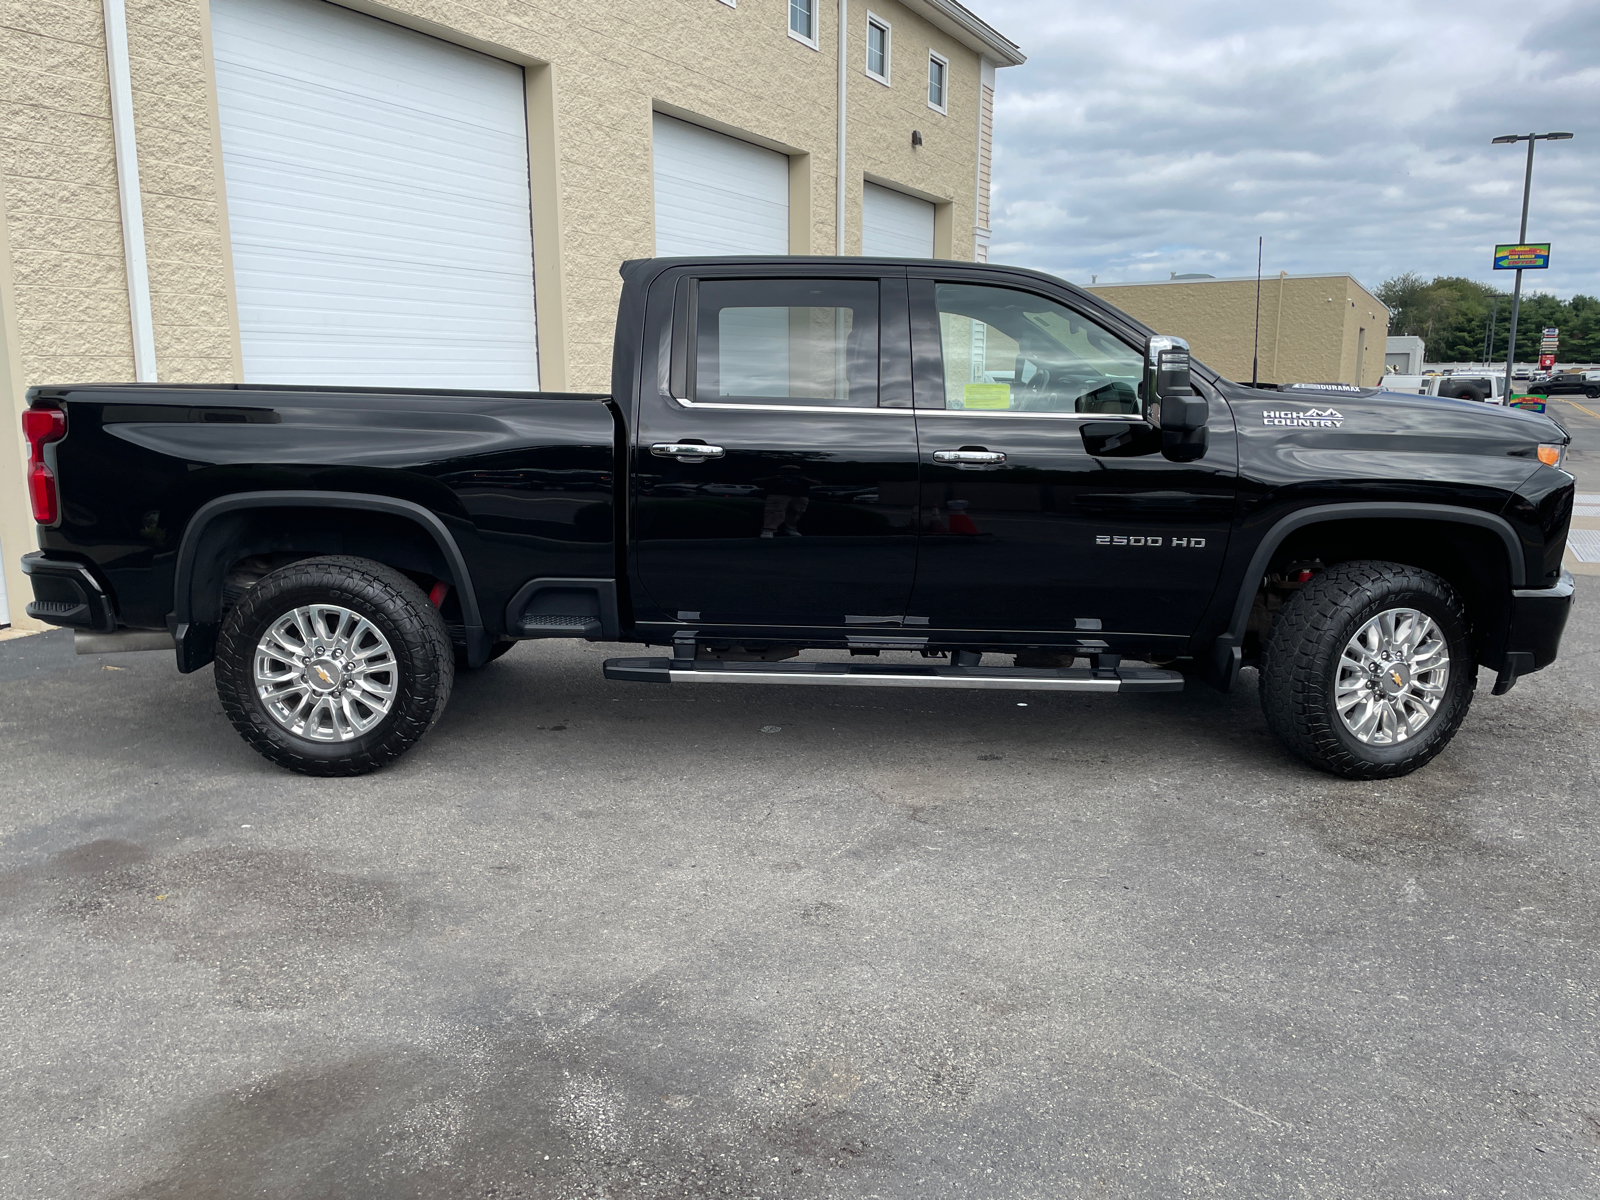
(1172, 405)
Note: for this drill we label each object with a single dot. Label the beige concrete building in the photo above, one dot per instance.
(430, 192)
(1314, 328)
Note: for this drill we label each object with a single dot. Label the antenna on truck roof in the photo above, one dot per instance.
(1255, 354)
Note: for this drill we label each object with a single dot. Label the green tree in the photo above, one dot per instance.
(1452, 316)
(1581, 335)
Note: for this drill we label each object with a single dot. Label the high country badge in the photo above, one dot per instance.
(1309, 418)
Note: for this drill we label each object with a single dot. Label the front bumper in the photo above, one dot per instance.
(67, 593)
(1538, 618)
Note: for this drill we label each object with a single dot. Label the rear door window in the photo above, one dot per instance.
(810, 342)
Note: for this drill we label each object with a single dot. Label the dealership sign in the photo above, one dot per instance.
(1547, 348)
(1533, 256)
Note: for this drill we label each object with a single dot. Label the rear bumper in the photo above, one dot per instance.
(1538, 618)
(67, 593)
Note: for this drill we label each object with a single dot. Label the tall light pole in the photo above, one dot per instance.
(1527, 184)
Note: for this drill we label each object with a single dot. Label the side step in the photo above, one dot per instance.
(1075, 679)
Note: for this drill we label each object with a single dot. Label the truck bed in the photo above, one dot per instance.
(524, 481)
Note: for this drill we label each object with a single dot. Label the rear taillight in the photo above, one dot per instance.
(41, 426)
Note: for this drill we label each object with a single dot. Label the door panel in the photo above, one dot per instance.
(805, 517)
(1053, 538)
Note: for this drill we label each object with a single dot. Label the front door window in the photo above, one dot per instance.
(1011, 351)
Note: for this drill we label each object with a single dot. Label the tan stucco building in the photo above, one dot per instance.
(277, 190)
(1314, 328)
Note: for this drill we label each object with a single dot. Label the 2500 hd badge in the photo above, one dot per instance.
(1114, 539)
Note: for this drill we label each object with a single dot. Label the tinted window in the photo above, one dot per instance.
(787, 341)
(1011, 350)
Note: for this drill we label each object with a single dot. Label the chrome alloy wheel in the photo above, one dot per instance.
(1392, 676)
(325, 673)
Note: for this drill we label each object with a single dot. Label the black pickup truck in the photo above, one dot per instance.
(928, 464)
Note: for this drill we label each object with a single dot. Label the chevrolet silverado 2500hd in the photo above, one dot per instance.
(936, 461)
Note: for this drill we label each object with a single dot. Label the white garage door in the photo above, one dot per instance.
(895, 225)
(716, 194)
(378, 201)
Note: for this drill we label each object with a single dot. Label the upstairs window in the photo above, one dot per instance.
(803, 21)
(938, 73)
(878, 48)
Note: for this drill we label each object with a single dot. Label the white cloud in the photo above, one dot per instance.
(1143, 138)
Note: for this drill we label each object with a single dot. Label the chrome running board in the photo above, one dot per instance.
(1074, 679)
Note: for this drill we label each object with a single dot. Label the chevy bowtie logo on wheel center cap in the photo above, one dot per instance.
(1398, 676)
(324, 676)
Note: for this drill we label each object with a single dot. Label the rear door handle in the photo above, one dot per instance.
(970, 458)
(686, 451)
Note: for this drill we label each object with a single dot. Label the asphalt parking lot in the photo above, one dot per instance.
(596, 939)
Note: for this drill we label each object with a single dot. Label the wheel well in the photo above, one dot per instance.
(236, 549)
(1470, 558)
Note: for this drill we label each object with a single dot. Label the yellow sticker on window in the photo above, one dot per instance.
(986, 395)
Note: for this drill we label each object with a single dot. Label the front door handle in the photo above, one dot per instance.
(686, 451)
(970, 458)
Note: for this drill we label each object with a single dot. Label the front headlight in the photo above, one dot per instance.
(1553, 454)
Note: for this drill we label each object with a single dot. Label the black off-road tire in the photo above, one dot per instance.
(1300, 660)
(395, 605)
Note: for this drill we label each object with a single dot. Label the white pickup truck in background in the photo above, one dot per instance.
(1475, 385)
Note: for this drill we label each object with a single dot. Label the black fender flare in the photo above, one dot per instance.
(194, 644)
(1227, 652)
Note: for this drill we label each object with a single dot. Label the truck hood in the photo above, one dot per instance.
(1388, 444)
(1371, 412)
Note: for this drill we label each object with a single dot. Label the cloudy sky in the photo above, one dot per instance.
(1143, 138)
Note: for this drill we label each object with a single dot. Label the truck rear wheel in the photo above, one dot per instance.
(334, 666)
(1368, 671)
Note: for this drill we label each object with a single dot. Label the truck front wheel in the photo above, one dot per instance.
(334, 666)
(1368, 671)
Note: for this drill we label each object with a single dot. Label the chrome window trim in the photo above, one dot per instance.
(1051, 416)
(718, 405)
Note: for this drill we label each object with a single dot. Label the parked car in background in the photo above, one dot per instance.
(1411, 385)
(1490, 388)
(1572, 383)
(1477, 385)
